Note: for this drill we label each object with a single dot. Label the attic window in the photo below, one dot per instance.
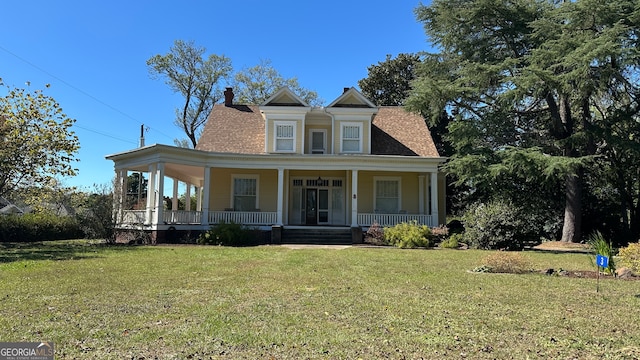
(285, 136)
(351, 137)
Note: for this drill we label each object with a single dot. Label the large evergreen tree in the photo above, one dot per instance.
(531, 88)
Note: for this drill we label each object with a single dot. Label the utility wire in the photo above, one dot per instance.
(86, 94)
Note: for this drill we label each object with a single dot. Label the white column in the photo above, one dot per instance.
(434, 197)
(119, 195)
(421, 194)
(205, 196)
(160, 191)
(187, 200)
(280, 205)
(354, 198)
(199, 197)
(174, 199)
(151, 191)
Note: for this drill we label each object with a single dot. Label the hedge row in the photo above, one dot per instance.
(38, 227)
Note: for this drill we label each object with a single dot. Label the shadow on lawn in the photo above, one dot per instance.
(55, 250)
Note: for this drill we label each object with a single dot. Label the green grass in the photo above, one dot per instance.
(115, 302)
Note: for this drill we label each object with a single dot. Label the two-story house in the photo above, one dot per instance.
(284, 164)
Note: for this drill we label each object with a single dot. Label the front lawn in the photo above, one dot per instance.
(145, 302)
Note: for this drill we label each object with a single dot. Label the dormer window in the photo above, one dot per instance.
(285, 136)
(351, 138)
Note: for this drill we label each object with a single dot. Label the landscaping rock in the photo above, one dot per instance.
(624, 273)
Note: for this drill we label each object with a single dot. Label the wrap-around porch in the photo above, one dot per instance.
(263, 191)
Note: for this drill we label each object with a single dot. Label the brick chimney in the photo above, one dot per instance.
(228, 97)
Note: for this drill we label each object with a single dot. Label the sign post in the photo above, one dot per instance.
(601, 261)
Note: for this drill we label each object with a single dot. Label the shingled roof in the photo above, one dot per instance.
(396, 131)
(241, 129)
(235, 129)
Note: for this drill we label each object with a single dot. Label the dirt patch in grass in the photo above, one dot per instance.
(562, 246)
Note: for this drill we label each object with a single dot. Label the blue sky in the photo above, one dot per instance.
(94, 56)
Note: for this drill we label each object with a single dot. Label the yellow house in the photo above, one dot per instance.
(285, 165)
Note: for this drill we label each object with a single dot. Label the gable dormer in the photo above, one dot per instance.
(352, 116)
(284, 114)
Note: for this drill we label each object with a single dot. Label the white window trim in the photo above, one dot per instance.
(276, 138)
(244, 176)
(387, 178)
(324, 145)
(360, 132)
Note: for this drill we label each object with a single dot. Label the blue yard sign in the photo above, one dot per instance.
(602, 261)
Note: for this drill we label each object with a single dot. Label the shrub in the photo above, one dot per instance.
(228, 234)
(439, 233)
(601, 247)
(505, 262)
(452, 242)
(408, 235)
(496, 225)
(630, 257)
(38, 227)
(375, 235)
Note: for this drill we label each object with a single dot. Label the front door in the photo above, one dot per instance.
(317, 206)
(311, 206)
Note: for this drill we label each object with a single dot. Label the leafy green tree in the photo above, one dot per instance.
(197, 79)
(388, 83)
(256, 84)
(522, 81)
(36, 141)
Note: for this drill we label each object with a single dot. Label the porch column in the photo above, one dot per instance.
(199, 198)
(187, 200)
(205, 196)
(421, 194)
(160, 199)
(280, 196)
(151, 190)
(434, 198)
(354, 198)
(174, 195)
(119, 194)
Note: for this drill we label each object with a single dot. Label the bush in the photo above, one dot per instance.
(408, 235)
(38, 227)
(630, 257)
(600, 246)
(228, 234)
(496, 225)
(375, 235)
(505, 262)
(452, 242)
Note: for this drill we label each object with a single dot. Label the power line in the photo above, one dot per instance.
(106, 134)
(86, 94)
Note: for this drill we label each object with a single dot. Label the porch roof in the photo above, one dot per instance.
(188, 164)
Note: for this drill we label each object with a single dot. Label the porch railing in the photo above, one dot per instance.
(134, 217)
(182, 217)
(365, 219)
(243, 217)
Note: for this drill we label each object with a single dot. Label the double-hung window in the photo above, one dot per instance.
(285, 136)
(387, 195)
(351, 137)
(245, 192)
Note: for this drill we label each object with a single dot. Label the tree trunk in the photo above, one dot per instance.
(571, 229)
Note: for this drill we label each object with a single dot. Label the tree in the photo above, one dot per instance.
(256, 84)
(36, 140)
(195, 78)
(389, 82)
(522, 80)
